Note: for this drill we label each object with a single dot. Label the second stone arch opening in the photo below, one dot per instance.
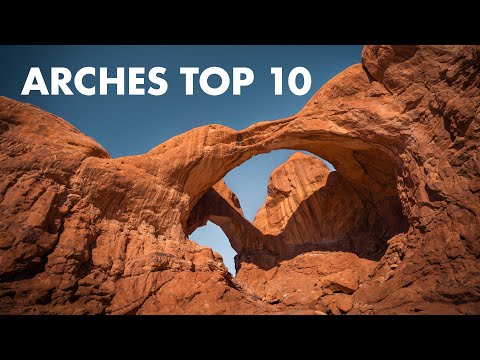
(308, 208)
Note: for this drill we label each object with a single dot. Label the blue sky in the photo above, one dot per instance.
(129, 125)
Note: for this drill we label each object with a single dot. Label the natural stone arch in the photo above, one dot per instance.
(84, 233)
(367, 157)
(382, 125)
(324, 212)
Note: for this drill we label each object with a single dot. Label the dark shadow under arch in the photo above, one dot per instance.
(368, 222)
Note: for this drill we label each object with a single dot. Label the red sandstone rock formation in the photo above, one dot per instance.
(83, 233)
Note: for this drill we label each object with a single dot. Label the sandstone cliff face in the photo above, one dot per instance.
(83, 233)
(296, 181)
(69, 249)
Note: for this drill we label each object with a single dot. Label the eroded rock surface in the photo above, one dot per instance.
(83, 233)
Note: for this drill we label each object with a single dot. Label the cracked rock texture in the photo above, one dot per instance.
(395, 230)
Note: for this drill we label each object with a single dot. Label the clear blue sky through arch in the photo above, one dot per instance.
(129, 125)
